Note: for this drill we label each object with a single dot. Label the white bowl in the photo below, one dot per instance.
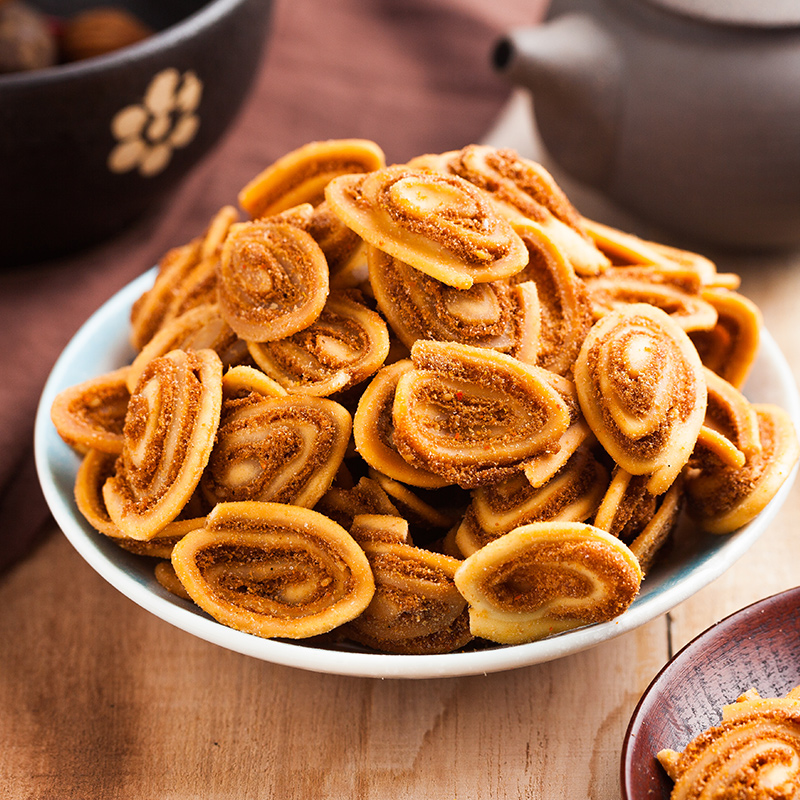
(101, 345)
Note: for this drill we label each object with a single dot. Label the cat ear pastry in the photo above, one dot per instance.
(545, 578)
(274, 570)
(439, 224)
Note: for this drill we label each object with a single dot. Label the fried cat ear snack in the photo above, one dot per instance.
(274, 570)
(472, 415)
(545, 578)
(753, 753)
(439, 224)
(642, 389)
(169, 431)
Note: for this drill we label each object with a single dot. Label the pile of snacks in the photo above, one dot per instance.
(422, 406)
(754, 752)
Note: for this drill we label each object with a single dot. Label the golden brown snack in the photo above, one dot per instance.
(93, 472)
(243, 380)
(474, 416)
(571, 495)
(165, 574)
(642, 520)
(526, 192)
(301, 175)
(272, 280)
(416, 607)
(186, 278)
(625, 249)
(169, 432)
(439, 224)
(723, 498)
(543, 466)
(564, 307)
(654, 534)
(753, 753)
(373, 430)
(90, 415)
(621, 286)
(545, 578)
(731, 346)
(497, 315)
(345, 345)
(199, 328)
(274, 570)
(276, 449)
(730, 430)
(642, 390)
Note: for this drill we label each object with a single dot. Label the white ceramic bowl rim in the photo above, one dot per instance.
(105, 334)
(188, 27)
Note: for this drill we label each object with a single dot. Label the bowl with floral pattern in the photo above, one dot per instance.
(88, 145)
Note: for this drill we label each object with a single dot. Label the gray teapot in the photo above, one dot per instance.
(686, 112)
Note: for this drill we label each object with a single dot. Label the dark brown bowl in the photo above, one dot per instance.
(757, 647)
(67, 180)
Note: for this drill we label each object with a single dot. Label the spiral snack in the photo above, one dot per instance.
(545, 578)
(544, 465)
(474, 416)
(564, 305)
(525, 191)
(642, 389)
(416, 607)
(730, 430)
(373, 430)
(186, 278)
(649, 540)
(572, 495)
(169, 432)
(274, 570)
(244, 380)
(277, 449)
(346, 344)
(621, 286)
(272, 280)
(93, 472)
(496, 315)
(199, 328)
(301, 175)
(722, 498)
(731, 346)
(91, 414)
(439, 224)
(753, 753)
(624, 249)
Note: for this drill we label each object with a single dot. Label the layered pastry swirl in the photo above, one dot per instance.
(642, 388)
(439, 224)
(545, 578)
(422, 407)
(170, 425)
(274, 570)
(753, 753)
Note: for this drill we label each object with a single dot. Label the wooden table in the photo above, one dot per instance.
(99, 699)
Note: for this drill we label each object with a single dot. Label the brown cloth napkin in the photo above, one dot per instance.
(413, 75)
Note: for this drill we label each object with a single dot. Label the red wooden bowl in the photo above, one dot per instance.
(757, 647)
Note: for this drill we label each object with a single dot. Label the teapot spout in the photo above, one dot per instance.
(572, 67)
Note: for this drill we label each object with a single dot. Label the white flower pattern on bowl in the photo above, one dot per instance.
(147, 133)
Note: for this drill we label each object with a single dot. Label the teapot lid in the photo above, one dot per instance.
(757, 13)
